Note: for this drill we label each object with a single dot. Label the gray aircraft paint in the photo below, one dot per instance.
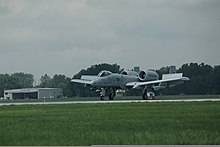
(145, 80)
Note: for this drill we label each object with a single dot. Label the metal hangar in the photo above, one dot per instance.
(33, 93)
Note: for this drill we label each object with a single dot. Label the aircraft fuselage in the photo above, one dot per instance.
(114, 80)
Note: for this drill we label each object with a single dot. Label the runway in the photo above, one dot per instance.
(105, 102)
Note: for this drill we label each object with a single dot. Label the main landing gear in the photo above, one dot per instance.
(111, 94)
(148, 94)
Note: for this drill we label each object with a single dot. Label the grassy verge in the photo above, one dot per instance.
(93, 124)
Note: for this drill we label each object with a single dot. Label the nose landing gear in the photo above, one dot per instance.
(102, 94)
(111, 94)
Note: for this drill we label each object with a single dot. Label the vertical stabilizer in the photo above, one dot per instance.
(137, 69)
(172, 69)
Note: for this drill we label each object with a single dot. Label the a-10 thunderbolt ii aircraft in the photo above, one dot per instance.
(148, 80)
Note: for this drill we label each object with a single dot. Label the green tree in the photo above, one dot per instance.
(22, 80)
(215, 80)
(163, 70)
(57, 81)
(199, 75)
(4, 84)
(45, 81)
(14, 81)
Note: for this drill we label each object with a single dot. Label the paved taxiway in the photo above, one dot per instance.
(104, 102)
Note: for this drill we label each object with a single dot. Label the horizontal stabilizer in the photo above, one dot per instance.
(172, 76)
(171, 83)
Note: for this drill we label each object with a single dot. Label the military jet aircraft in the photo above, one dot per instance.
(148, 80)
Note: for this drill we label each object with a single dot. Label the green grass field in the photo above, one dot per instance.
(95, 124)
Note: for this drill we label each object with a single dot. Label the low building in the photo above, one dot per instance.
(33, 93)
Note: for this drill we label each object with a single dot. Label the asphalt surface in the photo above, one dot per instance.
(104, 102)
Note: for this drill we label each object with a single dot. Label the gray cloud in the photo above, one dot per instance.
(65, 36)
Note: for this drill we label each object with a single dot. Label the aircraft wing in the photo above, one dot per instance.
(82, 81)
(88, 77)
(167, 80)
(85, 79)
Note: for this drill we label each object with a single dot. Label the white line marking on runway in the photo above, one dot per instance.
(104, 102)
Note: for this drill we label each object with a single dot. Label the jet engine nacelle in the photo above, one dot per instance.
(130, 73)
(147, 75)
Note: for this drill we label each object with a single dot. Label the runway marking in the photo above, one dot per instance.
(105, 102)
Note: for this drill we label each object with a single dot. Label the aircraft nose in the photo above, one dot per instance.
(95, 83)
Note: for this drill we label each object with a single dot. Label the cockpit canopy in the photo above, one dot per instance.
(104, 73)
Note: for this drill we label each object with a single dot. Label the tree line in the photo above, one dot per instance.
(204, 79)
(15, 81)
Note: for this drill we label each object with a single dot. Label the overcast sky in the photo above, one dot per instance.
(65, 36)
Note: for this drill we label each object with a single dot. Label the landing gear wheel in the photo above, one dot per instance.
(148, 93)
(102, 98)
(148, 96)
(151, 95)
(144, 96)
(111, 96)
(102, 94)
